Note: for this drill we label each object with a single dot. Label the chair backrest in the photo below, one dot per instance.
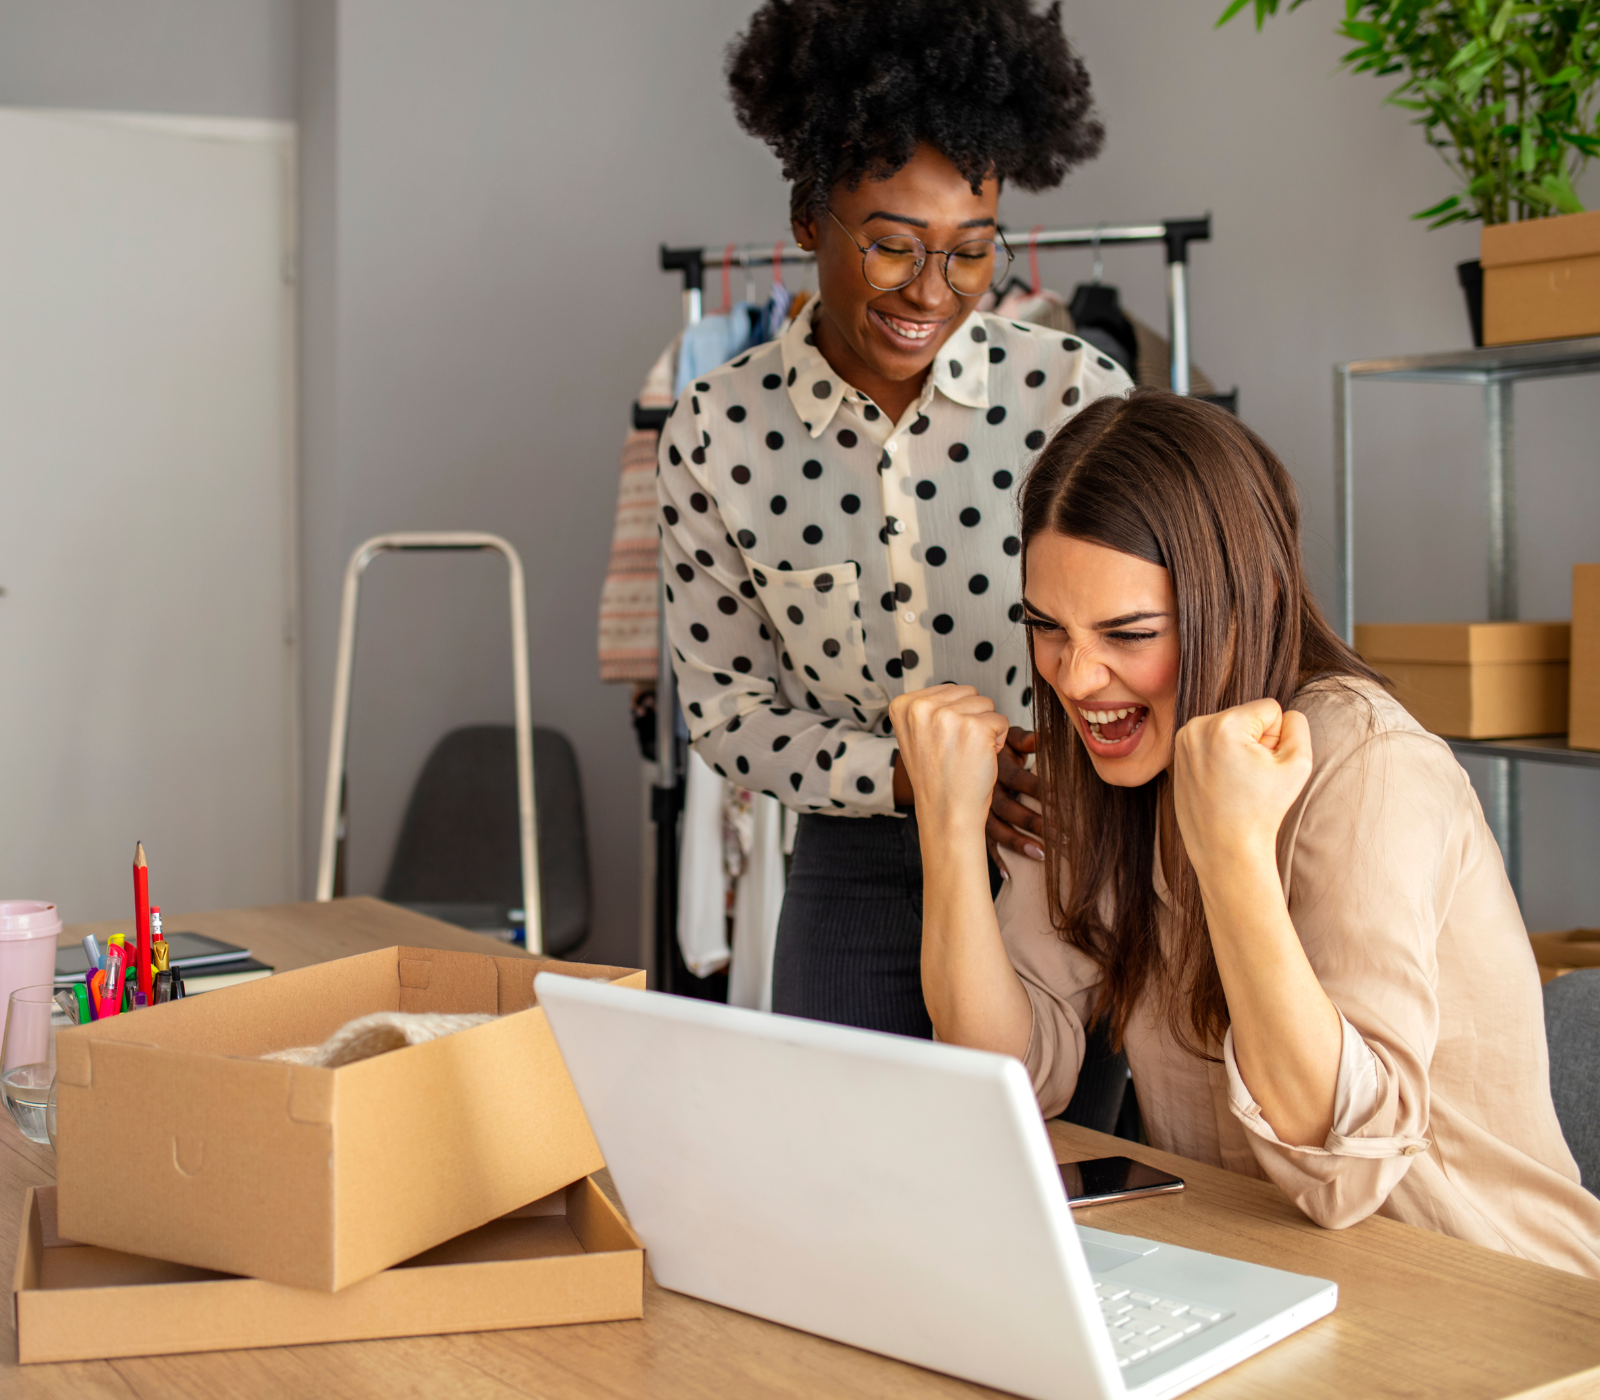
(1572, 1026)
(458, 845)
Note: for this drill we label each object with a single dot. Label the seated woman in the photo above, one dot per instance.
(1276, 888)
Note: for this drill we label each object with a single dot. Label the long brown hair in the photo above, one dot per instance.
(1179, 483)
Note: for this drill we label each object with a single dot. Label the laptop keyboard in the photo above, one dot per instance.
(1142, 1324)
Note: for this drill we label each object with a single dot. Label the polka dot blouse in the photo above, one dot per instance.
(820, 560)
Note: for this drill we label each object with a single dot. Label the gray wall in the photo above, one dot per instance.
(484, 185)
(504, 172)
(215, 58)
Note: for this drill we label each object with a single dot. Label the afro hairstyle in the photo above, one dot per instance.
(845, 90)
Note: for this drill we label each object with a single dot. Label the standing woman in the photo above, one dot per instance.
(836, 506)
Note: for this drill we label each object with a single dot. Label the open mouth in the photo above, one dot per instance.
(1114, 729)
(909, 335)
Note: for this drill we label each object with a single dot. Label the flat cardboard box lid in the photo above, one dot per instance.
(1464, 643)
(567, 1258)
(1541, 240)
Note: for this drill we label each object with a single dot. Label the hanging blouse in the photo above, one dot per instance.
(821, 559)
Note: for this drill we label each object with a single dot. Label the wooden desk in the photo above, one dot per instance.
(1419, 1314)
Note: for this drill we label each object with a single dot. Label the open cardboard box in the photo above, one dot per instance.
(312, 1177)
(568, 1258)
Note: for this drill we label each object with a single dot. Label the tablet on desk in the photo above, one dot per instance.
(190, 953)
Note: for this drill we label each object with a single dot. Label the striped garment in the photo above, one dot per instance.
(628, 608)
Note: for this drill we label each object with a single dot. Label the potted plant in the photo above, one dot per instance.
(1504, 91)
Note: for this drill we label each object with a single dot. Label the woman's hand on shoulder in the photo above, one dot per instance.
(949, 737)
(1235, 775)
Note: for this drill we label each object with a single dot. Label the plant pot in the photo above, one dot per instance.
(1470, 275)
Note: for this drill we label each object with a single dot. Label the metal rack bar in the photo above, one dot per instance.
(1497, 369)
(666, 799)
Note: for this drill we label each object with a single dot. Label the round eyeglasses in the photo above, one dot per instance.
(971, 268)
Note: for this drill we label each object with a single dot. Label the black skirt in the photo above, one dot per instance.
(849, 947)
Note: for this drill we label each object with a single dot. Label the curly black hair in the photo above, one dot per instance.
(844, 90)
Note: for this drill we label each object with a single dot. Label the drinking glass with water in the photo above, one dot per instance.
(28, 1057)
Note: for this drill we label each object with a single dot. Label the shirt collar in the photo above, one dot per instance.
(960, 373)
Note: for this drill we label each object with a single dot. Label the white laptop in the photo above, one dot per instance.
(895, 1194)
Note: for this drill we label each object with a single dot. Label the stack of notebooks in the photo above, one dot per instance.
(206, 963)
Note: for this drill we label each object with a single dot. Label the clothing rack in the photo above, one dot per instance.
(666, 797)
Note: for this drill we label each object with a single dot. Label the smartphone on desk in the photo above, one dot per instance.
(1103, 1179)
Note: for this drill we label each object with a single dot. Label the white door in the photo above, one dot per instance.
(147, 664)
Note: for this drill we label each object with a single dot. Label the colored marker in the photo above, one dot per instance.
(116, 969)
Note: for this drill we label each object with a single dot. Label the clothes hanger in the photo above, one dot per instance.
(1097, 316)
(1016, 284)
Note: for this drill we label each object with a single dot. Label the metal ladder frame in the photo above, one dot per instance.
(435, 541)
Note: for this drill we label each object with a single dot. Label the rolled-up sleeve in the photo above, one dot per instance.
(727, 660)
(1374, 853)
(1060, 982)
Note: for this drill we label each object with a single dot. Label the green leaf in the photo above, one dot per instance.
(1439, 208)
(1504, 90)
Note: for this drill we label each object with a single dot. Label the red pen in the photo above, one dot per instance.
(141, 916)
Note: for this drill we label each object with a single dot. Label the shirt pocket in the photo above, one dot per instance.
(817, 615)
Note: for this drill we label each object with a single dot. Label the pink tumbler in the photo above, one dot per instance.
(28, 929)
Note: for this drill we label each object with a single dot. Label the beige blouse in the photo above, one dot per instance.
(1399, 895)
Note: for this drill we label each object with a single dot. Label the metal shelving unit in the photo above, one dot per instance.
(1496, 370)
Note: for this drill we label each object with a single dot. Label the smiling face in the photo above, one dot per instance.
(1104, 629)
(883, 342)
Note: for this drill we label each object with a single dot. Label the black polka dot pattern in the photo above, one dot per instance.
(788, 500)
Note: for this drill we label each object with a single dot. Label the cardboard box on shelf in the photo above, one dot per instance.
(1475, 680)
(1584, 723)
(568, 1258)
(1541, 279)
(1557, 953)
(313, 1177)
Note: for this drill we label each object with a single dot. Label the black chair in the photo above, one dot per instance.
(1572, 1027)
(458, 856)
(1104, 1099)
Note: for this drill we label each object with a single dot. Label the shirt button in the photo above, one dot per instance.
(891, 444)
(1410, 1151)
(909, 616)
(898, 526)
